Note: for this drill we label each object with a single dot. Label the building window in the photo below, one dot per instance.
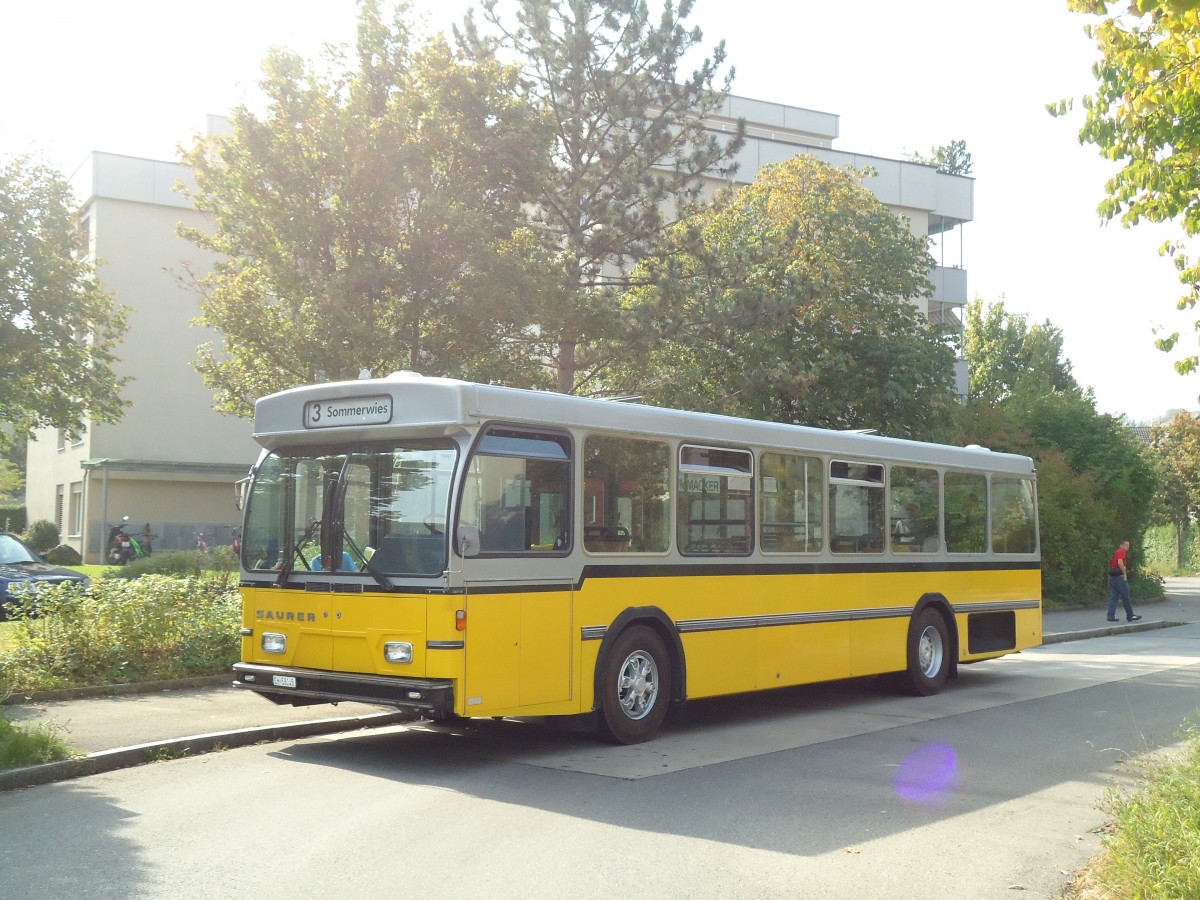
(75, 516)
(59, 496)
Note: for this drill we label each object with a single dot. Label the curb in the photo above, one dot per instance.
(159, 751)
(1064, 636)
(17, 698)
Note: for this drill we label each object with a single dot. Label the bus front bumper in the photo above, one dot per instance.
(301, 687)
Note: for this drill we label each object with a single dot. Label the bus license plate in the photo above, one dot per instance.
(283, 680)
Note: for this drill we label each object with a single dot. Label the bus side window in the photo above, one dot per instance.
(517, 492)
(716, 501)
(791, 503)
(966, 513)
(626, 495)
(913, 520)
(1014, 516)
(856, 515)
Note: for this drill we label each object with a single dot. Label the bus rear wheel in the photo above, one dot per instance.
(635, 687)
(928, 654)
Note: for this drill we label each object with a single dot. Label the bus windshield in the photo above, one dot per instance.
(379, 508)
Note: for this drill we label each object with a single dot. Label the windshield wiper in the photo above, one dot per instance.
(383, 580)
(288, 566)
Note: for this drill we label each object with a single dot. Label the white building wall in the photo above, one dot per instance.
(171, 460)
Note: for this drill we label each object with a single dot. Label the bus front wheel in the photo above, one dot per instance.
(928, 654)
(636, 687)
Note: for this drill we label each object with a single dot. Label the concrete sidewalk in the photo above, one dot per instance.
(169, 720)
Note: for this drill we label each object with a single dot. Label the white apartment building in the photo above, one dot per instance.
(170, 463)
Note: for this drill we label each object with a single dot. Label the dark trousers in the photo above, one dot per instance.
(1118, 587)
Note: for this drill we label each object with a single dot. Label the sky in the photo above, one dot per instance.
(138, 77)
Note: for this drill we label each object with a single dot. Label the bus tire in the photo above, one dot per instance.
(635, 687)
(928, 654)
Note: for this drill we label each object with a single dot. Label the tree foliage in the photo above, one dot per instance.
(1007, 354)
(1094, 480)
(371, 218)
(790, 300)
(629, 151)
(1145, 114)
(1176, 455)
(59, 329)
(952, 158)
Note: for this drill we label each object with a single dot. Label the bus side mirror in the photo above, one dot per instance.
(467, 538)
(239, 492)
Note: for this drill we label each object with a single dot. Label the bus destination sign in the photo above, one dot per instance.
(351, 411)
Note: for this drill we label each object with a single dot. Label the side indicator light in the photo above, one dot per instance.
(460, 620)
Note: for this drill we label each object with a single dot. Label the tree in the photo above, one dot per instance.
(58, 327)
(791, 300)
(12, 478)
(1145, 114)
(1176, 454)
(629, 151)
(1094, 481)
(371, 218)
(1007, 354)
(952, 158)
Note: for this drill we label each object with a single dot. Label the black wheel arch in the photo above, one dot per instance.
(661, 623)
(939, 603)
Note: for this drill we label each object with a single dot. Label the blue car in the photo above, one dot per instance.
(21, 569)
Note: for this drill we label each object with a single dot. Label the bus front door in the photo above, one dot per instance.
(518, 647)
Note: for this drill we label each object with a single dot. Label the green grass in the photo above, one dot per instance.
(30, 746)
(1153, 849)
(92, 572)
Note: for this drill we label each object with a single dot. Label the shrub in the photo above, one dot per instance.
(12, 517)
(154, 627)
(179, 563)
(1146, 586)
(1161, 554)
(42, 535)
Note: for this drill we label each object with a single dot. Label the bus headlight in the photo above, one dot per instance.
(397, 652)
(274, 643)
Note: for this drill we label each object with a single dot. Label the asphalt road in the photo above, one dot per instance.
(990, 789)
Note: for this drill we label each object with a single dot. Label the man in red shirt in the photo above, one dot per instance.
(1118, 584)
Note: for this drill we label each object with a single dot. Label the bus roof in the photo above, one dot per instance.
(373, 409)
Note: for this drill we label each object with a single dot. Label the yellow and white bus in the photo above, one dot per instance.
(466, 550)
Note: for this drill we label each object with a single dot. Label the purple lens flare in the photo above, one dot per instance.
(927, 774)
